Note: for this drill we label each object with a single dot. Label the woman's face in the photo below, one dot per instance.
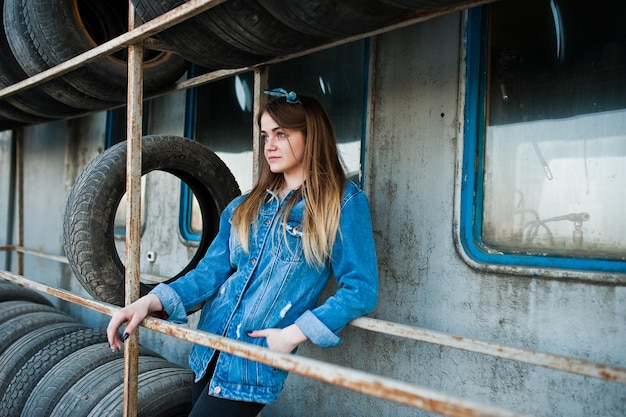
(284, 148)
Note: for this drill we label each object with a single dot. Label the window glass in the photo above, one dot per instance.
(553, 145)
(337, 78)
(222, 117)
(222, 120)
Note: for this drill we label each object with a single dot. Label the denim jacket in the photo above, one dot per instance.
(272, 286)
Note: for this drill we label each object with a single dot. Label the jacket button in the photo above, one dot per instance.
(252, 261)
(218, 390)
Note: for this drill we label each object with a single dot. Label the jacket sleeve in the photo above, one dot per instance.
(202, 282)
(355, 268)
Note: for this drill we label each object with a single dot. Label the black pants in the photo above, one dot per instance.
(205, 405)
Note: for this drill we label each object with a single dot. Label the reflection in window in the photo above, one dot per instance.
(337, 78)
(555, 135)
(224, 120)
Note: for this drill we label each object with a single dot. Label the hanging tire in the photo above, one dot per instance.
(332, 19)
(15, 328)
(26, 53)
(16, 355)
(90, 210)
(67, 372)
(87, 392)
(10, 291)
(12, 117)
(32, 105)
(45, 36)
(162, 392)
(421, 5)
(234, 34)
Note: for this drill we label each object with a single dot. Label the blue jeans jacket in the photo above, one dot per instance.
(272, 286)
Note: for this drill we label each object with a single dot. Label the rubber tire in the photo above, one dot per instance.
(10, 291)
(87, 392)
(70, 27)
(33, 105)
(89, 214)
(11, 117)
(234, 34)
(15, 328)
(11, 309)
(26, 52)
(421, 5)
(162, 392)
(16, 355)
(26, 379)
(332, 19)
(58, 380)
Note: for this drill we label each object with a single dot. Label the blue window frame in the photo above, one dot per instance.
(535, 109)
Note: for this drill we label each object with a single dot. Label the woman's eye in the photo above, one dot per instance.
(281, 135)
(264, 138)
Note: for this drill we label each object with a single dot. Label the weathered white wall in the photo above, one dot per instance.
(410, 176)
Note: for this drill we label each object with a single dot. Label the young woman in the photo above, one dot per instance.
(276, 248)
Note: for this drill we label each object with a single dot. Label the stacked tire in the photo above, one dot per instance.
(51, 365)
(40, 34)
(240, 33)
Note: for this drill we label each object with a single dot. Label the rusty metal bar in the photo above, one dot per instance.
(65, 295)
(561, 363)
(547, 360)
(19, 154)
(20, 249)
(133, 212)
(359, 381)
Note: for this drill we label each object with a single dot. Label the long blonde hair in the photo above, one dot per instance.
(324, 179)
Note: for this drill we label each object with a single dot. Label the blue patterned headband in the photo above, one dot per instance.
(290, 97)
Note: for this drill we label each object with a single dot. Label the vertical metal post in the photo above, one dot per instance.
(133, 212)
(19, 156)
(260, 84)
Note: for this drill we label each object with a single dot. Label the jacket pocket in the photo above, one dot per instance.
(287, 243)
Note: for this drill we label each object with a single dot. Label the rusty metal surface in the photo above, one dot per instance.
(19, 160)
(551, 361)
(366, 383)
(40, 254)
(134, 117)
(561, 363)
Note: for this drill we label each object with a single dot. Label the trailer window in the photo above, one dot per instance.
(545, 135)
(219, 114)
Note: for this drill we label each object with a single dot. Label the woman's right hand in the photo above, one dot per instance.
(132, 315)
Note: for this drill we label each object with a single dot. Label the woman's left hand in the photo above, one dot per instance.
(281, 340)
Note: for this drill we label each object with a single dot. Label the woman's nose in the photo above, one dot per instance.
(270, 143)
